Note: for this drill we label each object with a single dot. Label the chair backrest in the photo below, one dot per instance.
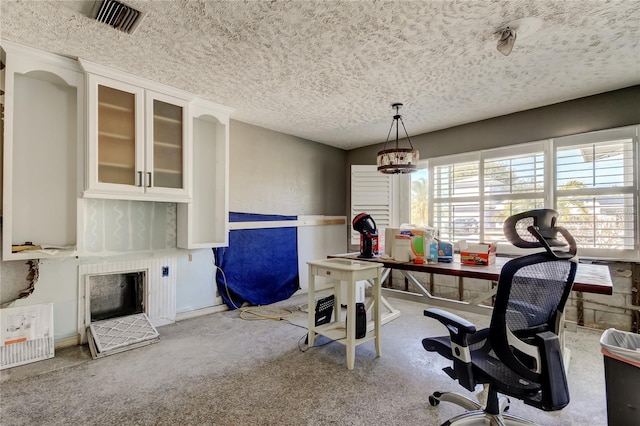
(531, 296)
(537, 229)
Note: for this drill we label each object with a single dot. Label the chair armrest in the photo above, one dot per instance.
(458, 327)
(555, 390)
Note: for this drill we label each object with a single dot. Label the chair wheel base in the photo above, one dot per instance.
(433, 401)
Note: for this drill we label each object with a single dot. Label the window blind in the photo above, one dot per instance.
(371, 192)
(595, 187)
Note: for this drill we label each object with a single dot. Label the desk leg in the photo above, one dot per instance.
(311, 309)
(337, 303)
(562, 335)
(391, 312)
(377, 315)
(351, 325)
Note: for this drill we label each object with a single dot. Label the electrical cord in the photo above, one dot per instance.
(257, 313)
(301, 349)
(224, 279)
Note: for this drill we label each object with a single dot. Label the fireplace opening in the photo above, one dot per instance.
(116, 295)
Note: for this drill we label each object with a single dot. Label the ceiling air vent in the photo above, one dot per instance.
(119, 16)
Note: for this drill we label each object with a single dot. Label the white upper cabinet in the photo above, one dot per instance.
(77, 135)
(204, 222)
(43, 145)
(139, 138)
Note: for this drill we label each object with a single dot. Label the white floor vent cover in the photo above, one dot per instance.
(115, 335)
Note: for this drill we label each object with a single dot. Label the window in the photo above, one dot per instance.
(473, 194)
(456, 199)
(590, 179)
(596, 187)
(512, 183)
(419, 198)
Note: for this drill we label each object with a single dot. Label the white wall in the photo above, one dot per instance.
(58, 283)
(317, 242)
(196, 281)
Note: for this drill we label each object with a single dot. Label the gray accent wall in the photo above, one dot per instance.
(275, 173)
(603, 111)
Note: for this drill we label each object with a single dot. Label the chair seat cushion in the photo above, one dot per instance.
(505, 380)
(486, 367)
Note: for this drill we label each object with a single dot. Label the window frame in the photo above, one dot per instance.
(550, 193)
(603, 136)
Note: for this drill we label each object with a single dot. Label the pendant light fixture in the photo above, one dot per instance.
(397, 160)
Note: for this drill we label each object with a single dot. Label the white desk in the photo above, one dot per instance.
(346, 271)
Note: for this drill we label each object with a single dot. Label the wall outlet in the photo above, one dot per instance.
(165, 271)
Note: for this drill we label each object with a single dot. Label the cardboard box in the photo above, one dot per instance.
(477, 253)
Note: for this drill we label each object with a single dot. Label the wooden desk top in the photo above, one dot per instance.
(589, 278)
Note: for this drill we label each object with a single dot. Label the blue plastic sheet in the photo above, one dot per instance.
(260, 265)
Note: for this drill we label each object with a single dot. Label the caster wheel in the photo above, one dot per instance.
(433, 401)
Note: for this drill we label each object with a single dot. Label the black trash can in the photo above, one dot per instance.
(621, 352)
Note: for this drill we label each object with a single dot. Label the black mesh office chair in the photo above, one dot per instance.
(519, 355)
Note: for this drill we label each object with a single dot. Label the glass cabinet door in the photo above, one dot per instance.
(167, 145)
(116, 136)
(115, 130)
(139, 142)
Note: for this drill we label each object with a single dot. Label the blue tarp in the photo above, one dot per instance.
(260, 265)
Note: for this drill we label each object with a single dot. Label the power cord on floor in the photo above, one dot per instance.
(254, 313)
(301, 348)
(257, 313)
(224, 280)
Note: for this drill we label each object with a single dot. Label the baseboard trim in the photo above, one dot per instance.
(200, 312)
(66, 342)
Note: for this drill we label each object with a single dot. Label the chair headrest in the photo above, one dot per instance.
(537, 229)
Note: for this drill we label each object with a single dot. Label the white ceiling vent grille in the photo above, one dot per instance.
(119, 16)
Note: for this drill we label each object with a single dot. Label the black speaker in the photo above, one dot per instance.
(361, 321)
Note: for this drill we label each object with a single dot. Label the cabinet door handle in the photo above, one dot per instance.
(149, 180)
(139, 180)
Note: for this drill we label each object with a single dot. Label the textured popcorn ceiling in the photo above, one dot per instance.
(328, 71)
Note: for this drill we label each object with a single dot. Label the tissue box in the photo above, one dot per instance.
(477, 253)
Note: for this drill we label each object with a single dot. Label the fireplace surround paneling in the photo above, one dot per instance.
(159, 293)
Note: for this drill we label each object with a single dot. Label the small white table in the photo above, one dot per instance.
(346, 271)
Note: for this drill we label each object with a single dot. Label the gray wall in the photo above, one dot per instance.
(604, 111)
(275, 173)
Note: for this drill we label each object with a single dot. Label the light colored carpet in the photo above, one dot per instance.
(222, 370)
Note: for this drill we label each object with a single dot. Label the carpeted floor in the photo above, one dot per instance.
(220, 369)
